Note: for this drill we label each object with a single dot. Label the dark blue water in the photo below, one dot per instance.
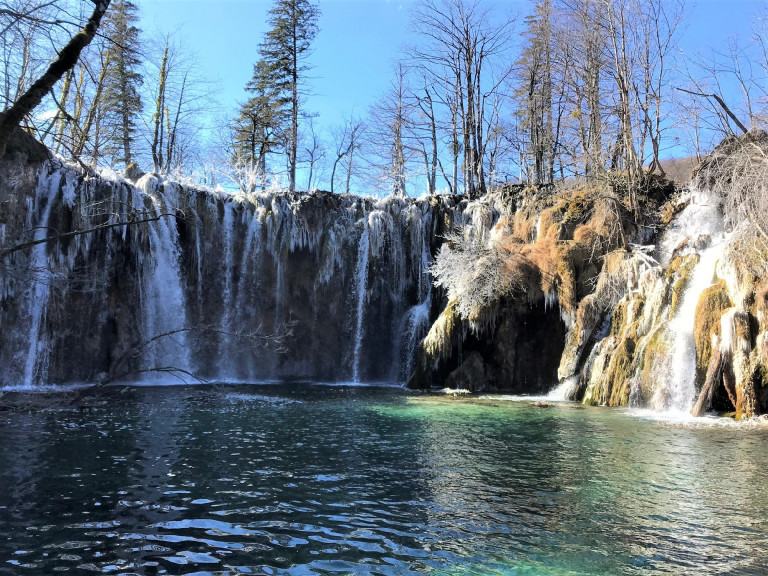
(302, 479)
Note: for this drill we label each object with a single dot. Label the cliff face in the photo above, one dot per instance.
(105, 280)
(666, 310)
(249, 287)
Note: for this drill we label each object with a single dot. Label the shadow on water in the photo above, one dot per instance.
(305, 479)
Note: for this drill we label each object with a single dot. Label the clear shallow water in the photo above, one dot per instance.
(302, 479)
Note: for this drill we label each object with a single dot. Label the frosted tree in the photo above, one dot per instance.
(260, 127)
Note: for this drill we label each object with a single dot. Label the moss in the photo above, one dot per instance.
(683, 267)
(440, 339)
(522, 227)
(657, 353)
(743, 329)
(619, 318)
(673, 266)
(620, 372)
(566, 273)
(548, 224)
(578, 208)
(760, 375)
(710, 307)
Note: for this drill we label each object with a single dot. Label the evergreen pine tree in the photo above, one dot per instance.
(277, 76)
(122, 102)
(534, 92)
(259, 129)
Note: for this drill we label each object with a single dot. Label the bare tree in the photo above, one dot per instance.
(66, 60)
(313, 152)
(347, 139)
(386, 133)
(460, 41)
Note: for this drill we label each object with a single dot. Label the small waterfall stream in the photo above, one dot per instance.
(47, 189)
(700, 222)
(166, 325)
(361, 286)
(682, 385)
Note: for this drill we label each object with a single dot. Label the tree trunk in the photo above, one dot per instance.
(157, 140)
(714, 377)
(66, 60)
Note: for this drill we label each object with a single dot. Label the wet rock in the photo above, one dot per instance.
(471, 375)
(710, 307)
(702, 241)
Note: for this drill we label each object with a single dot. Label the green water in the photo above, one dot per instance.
(303, 479)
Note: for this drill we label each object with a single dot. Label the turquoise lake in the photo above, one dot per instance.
(313, 479)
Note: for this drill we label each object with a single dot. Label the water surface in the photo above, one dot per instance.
(308, 479)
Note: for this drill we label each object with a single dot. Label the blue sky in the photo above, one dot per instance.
(359, 41)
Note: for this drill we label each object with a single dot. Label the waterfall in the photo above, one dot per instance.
(361, 285)
(165, 317)
(228, 227)
(565, 389)
(351, 274)
(47, 189)
(702, 218)
(248, 262)
(225, 340)
(416, 321)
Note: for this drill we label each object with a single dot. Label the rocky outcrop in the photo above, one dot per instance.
(111, 280)
(531, 297)
(518, 355)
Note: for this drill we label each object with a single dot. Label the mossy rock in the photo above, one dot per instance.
(655, 359)
(626, 317)
(620, 371)
(710, 307)
(596, 368)
(682, 270)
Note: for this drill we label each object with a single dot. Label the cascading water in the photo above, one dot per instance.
(47, 189)
(165, 317)
(564, 390)
(350, 274)
(417, 319)
(225, 341)
(700, 222)
(361, 285)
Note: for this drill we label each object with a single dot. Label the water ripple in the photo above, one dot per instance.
(307, 480)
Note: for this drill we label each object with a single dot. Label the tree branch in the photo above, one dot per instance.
(12, 117)
(722, 104)
(24, 245)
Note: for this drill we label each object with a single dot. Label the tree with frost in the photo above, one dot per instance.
(260, 127)
(280, 71)
(122, 99)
